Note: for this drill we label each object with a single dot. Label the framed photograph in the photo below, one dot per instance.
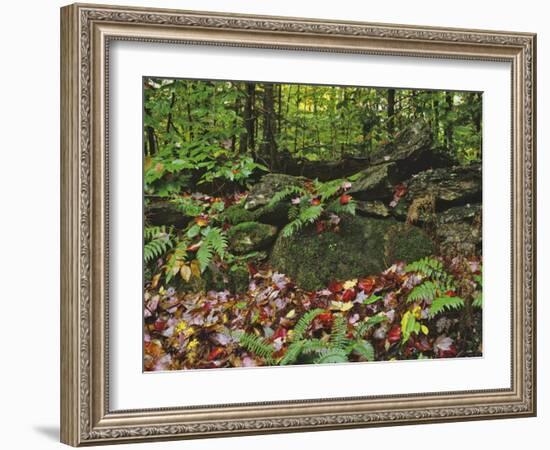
(276, 224)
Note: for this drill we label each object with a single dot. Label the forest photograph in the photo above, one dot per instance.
(290, 224)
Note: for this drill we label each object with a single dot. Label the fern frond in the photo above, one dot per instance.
(310, 214)
(155, 248)
(216, 239)
(204, 255)
(364, 349)
(292, 227)
(425, 291)
(314, 346)
(285, 193)
(332, 356)
(478, 300)
(338, 209)
(339, 331)
(444, 303)
(258, 346)
(328, 189)
(304, 322)
(292, 353)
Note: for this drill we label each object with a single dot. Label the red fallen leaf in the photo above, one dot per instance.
(194, 247)
(345, 199)
(226, 226)
(251, 268)
(325, 318)
(207, 307)
(348, 295)
(394, 335)
(279, 333)
(423, 345)
(160, 325)
(214, 353)
(400, 190)
(450, 294)
(315, 202)
(366, 284)
(335, 286)
(234, 171)
(319, 226)
(449, 353)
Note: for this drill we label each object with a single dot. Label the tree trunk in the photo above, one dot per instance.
(391, 111)
(448, 122)
(249, 118)
(270, 127)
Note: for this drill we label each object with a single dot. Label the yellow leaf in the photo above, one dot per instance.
(424, 329)
(196, 268)
(176, 267)
(185, 272)
(341, 306)
(350, 284)
(291, 314)
(155, 281)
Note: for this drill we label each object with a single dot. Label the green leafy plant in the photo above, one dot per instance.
(157, 243)
(313, 202)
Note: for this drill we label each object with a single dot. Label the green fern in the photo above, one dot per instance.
(285, 193)
(332, 356)
(157, 243)
(339, 331)
(304, 322)
(478, 300)
(258, 346)
(364, 349)
(338, 208)
(445, 303)
(293, 352)
(214, 242)
(425, 291)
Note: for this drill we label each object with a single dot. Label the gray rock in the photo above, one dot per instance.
(250, 236)
(363, 246)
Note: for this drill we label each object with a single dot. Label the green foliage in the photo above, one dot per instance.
(214, 242)
(258, 346)
(286, 193)
(425, 291)
(157, 243)
(445, 303)
(332, 356)
(304, 322)
(305, 216)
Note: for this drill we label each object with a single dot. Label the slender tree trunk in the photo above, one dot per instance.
(448, 122)
(391, 111)
(249, 118)
(270, 126)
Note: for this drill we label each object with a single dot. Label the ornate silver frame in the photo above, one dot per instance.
(86, 31)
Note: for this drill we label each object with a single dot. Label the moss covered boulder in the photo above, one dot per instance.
(236, 214)
(363, 246)
(250, 236)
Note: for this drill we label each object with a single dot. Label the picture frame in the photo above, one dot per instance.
(87, 32)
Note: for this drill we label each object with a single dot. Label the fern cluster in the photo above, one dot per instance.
(214, 242)
(312, 203)
(157, 243)
(339, 346)
(433, 289)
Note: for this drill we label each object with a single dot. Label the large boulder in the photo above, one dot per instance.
(250, 236)
(376, 182)
(456, 185)
(165, 213)
(412, 150)
(362, 246)
(458, 230)
(262, 192)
